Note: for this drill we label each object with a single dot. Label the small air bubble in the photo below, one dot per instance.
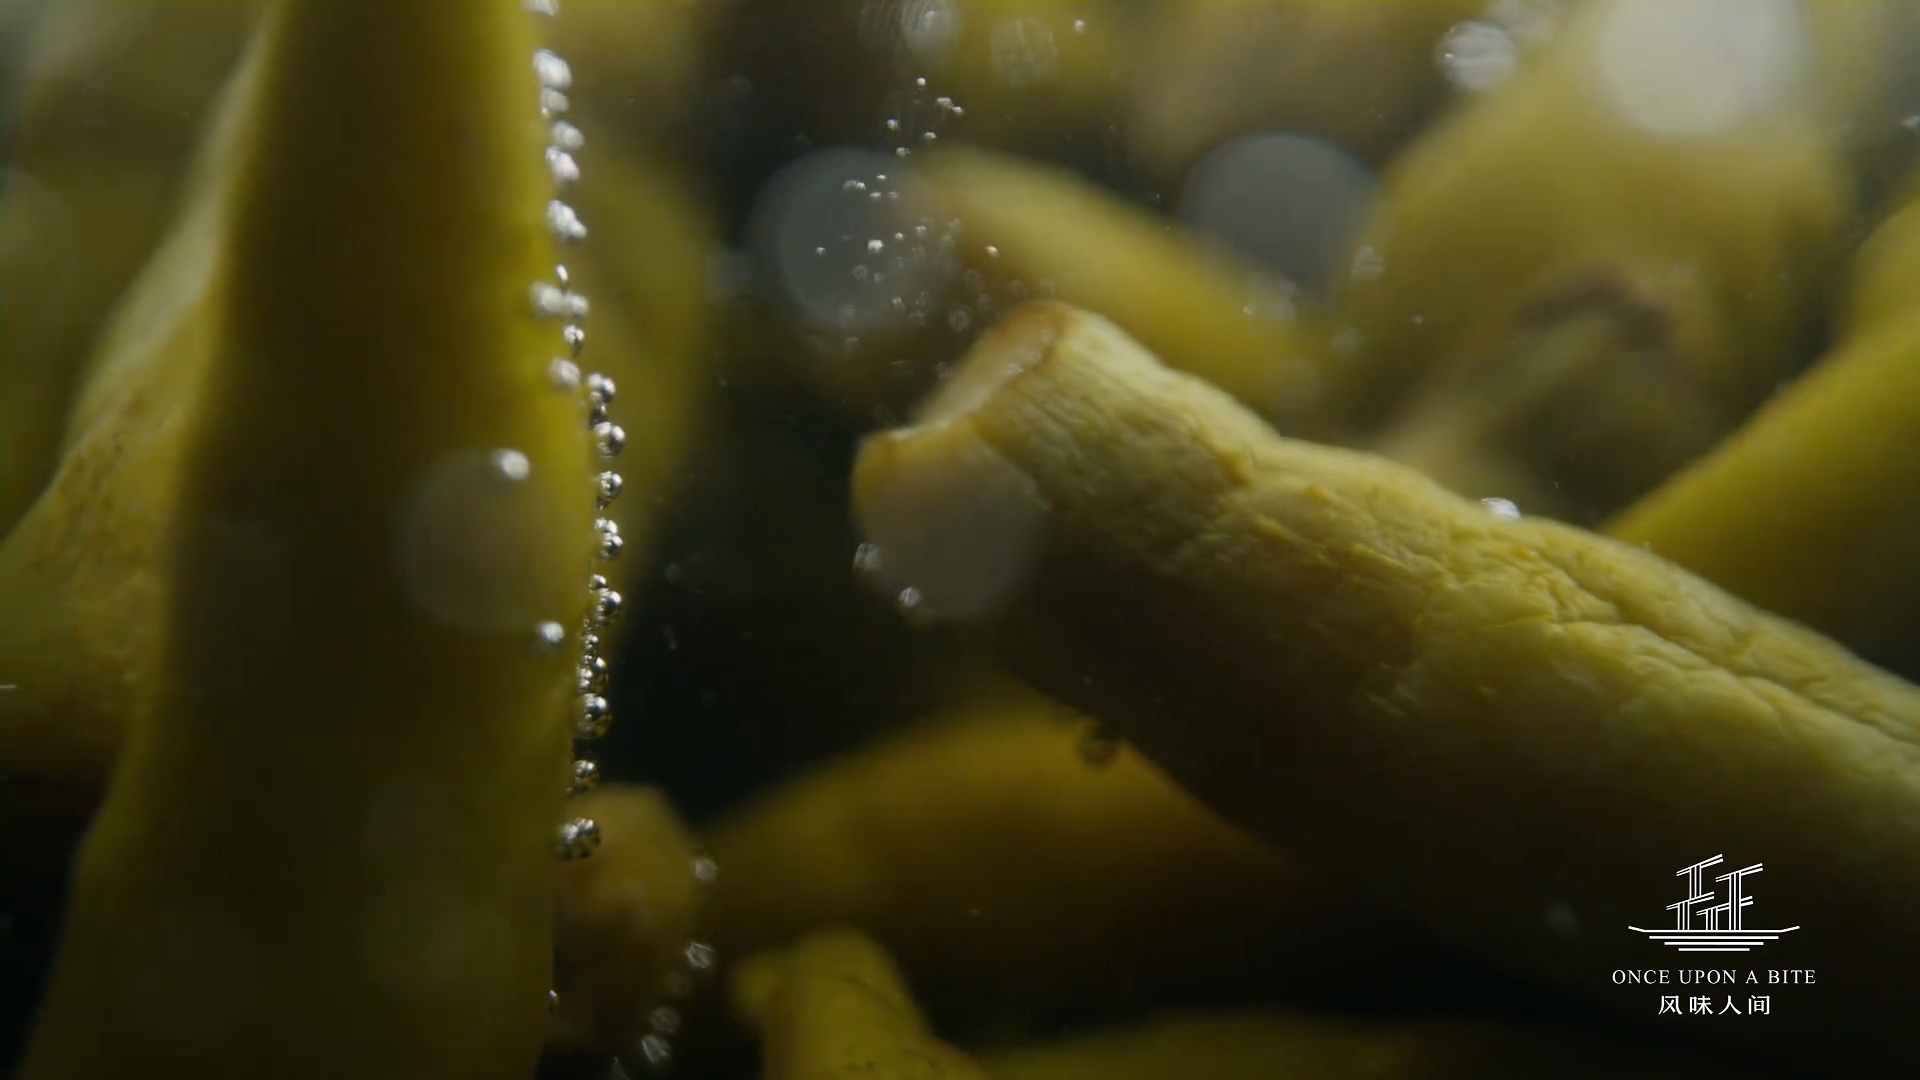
(561, 165)
(512, 465)
(607, 608)
(610, 542)
(609, 439)
(551, 635)
(664, 1020)
(564, 223)
(586, 775)
(601, 388)
(655, 1050)
(566, 137)
(591, 676)
(579, 838)
(594, 718)
(700, 956)
(1478, 56)
(552, 71)
(549, 300)
(1502, 508)
(607, 489)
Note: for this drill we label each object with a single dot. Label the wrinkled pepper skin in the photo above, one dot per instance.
(1480, 722)
(327, 849)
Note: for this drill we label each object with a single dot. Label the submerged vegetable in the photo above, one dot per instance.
(624, 920)
(998, 865)
(833, 1006)
(82, 572)
(1422, 698)
(111, 103)
(1804, 510)
(1263, 1046)
(1360, 74)
(1584, 278)
(81, 576)
(300, 553)
(328, 846)
(649, 331)
(1037, 231)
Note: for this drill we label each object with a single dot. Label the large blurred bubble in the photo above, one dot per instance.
(1292, 202)
(1697, 68)
(837, 244)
